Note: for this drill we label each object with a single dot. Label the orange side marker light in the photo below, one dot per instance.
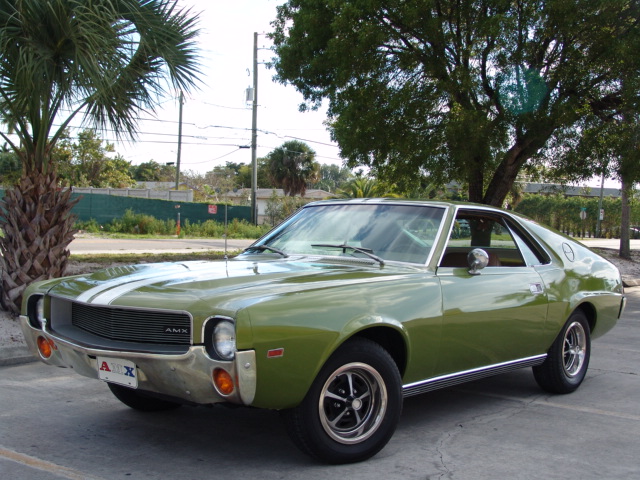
(44, 347)
(223, 381)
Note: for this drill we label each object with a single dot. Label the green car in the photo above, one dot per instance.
(335, 316)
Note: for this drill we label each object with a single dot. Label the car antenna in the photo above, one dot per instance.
(225, 232)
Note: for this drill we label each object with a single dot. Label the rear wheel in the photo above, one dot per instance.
(352, 408)
(139, 401)
(568, 359)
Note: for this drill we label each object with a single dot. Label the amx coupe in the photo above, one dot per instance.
(335, 316)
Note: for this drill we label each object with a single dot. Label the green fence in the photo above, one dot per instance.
(104, 208)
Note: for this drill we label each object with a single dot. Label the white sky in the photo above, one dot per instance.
(216, 119)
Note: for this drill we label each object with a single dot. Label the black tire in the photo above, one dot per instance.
(139, 401)
(568, 358)
(352, 407)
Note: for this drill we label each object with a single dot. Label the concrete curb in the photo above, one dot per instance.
(15, 355)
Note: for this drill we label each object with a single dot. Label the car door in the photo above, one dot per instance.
(497, 315)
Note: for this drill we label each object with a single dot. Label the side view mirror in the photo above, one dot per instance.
(477, 260)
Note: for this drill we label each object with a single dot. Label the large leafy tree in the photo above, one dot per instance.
(102, 60)
(89, 163)
(469, 91)
(608, 147)
(152, 171)
(332, 177)
(609, 143)
(363, 187)
(243, 178)
(292, 166)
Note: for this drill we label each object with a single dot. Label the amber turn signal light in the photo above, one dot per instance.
(44, 347)
(223, 381)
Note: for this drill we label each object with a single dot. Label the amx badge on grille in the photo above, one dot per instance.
(176, 330)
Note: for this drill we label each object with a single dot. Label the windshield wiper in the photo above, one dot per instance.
(262, 248)
(365, 251)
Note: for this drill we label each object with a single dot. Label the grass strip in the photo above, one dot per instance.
(132, 258)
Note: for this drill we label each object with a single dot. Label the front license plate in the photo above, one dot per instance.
(116, 370)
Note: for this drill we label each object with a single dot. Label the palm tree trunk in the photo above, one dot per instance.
(38, 227)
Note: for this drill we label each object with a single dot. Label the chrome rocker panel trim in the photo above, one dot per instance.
(451, 379)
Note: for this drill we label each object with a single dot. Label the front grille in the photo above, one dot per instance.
(132, 325)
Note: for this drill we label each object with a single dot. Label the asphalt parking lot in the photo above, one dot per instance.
(55, 424)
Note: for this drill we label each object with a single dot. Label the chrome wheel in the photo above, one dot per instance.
(352, 403)
(568, 358)
(352, 407)
(574, 349)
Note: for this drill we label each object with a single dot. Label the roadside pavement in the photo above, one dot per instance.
(84, 245)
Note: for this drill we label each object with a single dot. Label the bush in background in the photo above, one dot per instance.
(563, 214)
(142, 224)
(235, 229)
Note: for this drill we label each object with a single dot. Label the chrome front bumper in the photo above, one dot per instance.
(186, 376)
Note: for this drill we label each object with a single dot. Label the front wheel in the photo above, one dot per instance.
(568, 358)
(352, 408)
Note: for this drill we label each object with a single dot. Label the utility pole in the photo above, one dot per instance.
(179, 139)
(254, 135)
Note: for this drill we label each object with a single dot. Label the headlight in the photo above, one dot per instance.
(35, 310)
(224, 339)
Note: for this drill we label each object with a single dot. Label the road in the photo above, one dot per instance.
(85, 246)
(55, 424)
(609, 243)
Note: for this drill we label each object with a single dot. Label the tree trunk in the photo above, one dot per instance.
(504, 177)
(38, 227)
(625, 244)
(506, 174)
(476, 181)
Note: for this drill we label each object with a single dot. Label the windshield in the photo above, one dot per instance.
(403, 233)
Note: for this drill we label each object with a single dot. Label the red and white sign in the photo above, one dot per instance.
(213, 209)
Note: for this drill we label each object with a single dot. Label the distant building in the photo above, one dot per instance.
(146, 192)
(570, 191)
(243, 197)
(162, 185)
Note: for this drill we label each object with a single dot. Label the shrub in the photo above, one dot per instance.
(90, 226)
(142, 224)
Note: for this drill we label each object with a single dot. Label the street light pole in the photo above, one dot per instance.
(254, 135)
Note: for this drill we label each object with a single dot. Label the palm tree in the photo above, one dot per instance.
(363, 187)
(104, 60)
(292, 166)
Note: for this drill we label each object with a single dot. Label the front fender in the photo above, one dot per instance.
(286, 372)
(294, 334)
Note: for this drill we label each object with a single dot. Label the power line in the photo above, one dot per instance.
(214, 159)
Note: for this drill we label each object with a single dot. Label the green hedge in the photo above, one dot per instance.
(563, 214)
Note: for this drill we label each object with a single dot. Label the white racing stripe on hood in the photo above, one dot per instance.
(109, 296)
(136, 277)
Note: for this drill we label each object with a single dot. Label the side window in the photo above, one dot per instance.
(531, 255)
(476, 230)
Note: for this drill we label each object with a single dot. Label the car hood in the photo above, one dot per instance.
(225, 286)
